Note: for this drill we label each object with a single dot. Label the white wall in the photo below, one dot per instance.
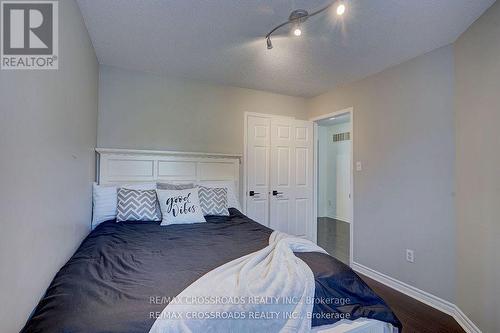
(478, 173)
(48, 124)
(403, 198)
(147, 111)
(327, 173)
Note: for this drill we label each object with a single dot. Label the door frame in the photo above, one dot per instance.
(315, 120)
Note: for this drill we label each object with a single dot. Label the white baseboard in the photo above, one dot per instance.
(420, 295)
(464, 321)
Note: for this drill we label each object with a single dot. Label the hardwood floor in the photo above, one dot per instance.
(416, 317)
(333, 236)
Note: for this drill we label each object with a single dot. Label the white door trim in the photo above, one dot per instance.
(332, 114)
(349, 110)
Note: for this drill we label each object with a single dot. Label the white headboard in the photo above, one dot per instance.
(128, 166)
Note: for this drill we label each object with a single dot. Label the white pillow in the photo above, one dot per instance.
(180, 206)
(105, 200)
(232, 197)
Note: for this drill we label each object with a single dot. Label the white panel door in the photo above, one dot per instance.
(343, 187)
(291, 173)
(303, 177)
(282, 170)
(258, 165)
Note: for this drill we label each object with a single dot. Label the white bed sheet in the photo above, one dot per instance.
(361, 325)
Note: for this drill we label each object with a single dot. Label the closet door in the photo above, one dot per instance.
(303, 178)
(282, 170)
(258, 165)
(291, 173)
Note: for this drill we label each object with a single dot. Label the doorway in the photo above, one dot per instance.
(333, 166)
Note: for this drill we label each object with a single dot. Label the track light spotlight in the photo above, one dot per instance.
(341, 9)
(297, 32)
(269, 43)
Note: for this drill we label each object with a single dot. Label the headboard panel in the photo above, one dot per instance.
(118, 166)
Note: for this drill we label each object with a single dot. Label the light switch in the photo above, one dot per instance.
(359, 167)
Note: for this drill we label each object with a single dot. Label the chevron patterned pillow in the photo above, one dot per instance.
(137, 205)
(213, 201)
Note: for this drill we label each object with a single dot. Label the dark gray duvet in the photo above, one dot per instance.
(123, 273)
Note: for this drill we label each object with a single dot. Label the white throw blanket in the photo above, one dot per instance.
(270, 290)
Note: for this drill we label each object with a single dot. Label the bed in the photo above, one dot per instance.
(124, 274)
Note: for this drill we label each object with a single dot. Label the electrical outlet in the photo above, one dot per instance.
(410, 255)
(359, 167)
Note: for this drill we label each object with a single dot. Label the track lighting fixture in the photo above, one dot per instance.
(299, 16)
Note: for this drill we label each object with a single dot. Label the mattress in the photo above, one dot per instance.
(124, 274)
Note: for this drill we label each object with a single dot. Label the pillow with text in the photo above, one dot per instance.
(180, 206)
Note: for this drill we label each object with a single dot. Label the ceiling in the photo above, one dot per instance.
(223, 42)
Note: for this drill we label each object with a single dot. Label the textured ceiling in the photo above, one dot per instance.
(222, 41)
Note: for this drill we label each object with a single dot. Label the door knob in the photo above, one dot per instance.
(252, 193)
(276, 192)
